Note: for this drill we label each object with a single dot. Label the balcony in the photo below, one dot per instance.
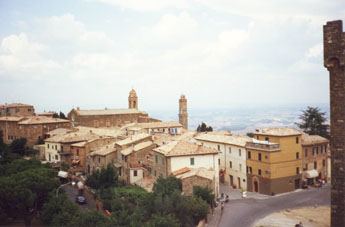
(263, 147)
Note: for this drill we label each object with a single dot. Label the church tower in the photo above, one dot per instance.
(183, 115)
(132, 100)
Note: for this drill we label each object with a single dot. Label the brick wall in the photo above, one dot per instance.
(334, 57)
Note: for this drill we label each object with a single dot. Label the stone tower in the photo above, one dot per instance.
(132, 100)
(183, 115)
(334, 61)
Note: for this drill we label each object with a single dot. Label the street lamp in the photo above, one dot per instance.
(57, 191)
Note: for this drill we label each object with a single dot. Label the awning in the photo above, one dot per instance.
(62, 174)
(311, 173)
(117, 165)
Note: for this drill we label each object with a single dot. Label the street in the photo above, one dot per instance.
(245, 212)
(72, 193)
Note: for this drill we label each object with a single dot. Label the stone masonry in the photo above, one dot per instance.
(334, 61)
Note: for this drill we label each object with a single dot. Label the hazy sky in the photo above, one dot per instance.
(220, 53)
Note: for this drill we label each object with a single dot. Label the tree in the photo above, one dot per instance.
(62, 115)
(55, 115)
(165, 187)
(64, 166)
(204, 193)
(204, 128)
(313, 122)
(18, 146)
(250, 134)
(105, 178)
(163, 221)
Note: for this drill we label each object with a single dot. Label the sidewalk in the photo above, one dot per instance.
(213, 219)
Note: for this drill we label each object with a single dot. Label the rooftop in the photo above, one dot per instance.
(11, 118)
(313, 139)
(104, 150)
(166, 124)
(137, 147)
(108, 112)
(71, 137)
(41, 120)
(201, 172)
(133, 139)
(15, 105)
(278, 132)
(182, 148)
(114, 132)
(233, 140)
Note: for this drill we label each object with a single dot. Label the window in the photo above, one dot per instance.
(163, 161)
(135, 173)
(155, 173)
(259, 157)
(297, 155)
(267, 139)
(315, 165)
(240, 167)
(230, 164)
(317, 150)
(239, 152)
(156, 157)
(218, 161)
(192, 161)
(78, 152)
(99, 159)
(297, 170)
(250, 170)
(306, 152)
(48, 145)
(259, 172)
(55, 147)
(249, 155)
(306, 166)
(56, 157)
(218, 147)
(324, 163)
(297, 140)
(229, 150)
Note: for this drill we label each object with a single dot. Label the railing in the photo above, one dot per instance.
(261, 146)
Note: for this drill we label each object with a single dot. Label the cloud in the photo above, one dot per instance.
(147, 5)
(19, 54)
(315, 51)
(171, 26)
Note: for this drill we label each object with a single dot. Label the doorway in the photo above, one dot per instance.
(231, 180)
(256, 186)
(239, 182)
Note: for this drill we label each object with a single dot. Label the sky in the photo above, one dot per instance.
(61, 54)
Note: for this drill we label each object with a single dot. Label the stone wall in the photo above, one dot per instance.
(189, 183)
(334, 61)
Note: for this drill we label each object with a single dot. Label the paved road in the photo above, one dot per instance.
(245, 212)
(72, 193)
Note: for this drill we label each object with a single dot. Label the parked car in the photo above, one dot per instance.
(80, 199)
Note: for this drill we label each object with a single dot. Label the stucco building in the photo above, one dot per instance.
(33, 128)
(16, 109)
(232, 157)
(169, 127)
(110, 117)
(314, 158)
(274, 162)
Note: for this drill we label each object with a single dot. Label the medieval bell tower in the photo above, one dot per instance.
(183, 115)
(132, 100)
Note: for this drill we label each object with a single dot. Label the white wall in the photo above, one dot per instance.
(52, 149)
(225, 157)
(139, 176)
(207, 161)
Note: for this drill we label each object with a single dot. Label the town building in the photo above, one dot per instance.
(33, 128)
(70, 146)
(274, 161)
(46, 114)
(132, 155)
(314, 158)
(232, 157)
(101, 157)
(192, 179)
(170, 127)
(16, 110)
(110, 117)
(183, 115)
(180, 154)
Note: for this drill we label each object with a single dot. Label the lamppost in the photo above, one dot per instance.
(57, 191)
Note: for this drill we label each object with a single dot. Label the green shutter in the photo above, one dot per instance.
(192, 161)
(156, 158)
